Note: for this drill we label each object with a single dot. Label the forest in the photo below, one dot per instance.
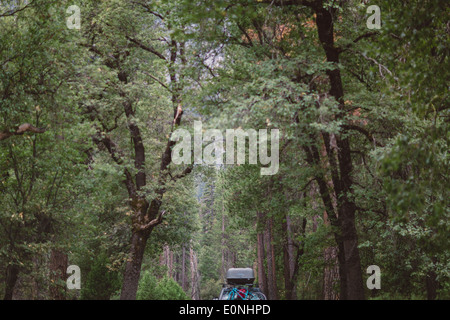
(120, 177)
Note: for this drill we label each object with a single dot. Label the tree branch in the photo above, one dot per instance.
(20, 130)
(146, 47)
(381, 67)
(156, 14)
(183, 174)
(157, 80)
(152, 223)
(364, 132)
(13, 12)
(363, 36)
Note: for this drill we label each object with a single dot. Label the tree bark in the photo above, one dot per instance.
(223, 269)
(272, 289)
(347, 238)
(431, 285)
(183, 269)
(195, 292)
(330, 274)
(134, 263)
(262, 275)
(288, 260)
(12, 273)
(313, 158)
(171, 271)
(295, 263)
(58, 274)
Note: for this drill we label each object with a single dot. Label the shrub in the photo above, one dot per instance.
(100, 282)
(169, 289)
(210, 289)
(147, 287)
(165, 289)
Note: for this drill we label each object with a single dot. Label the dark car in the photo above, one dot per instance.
(240, 286)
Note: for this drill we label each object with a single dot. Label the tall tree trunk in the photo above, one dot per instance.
(347, 238)
(262, 275)
(12, 272)
(288, 260)
(168, 261)
(274, 274)
(171, 264)
(134, 263)
(164, 256)
(35, 292)
(290, 249)
(58, 274)
(195, 292)
(331, 270)
(271, 274)
(223, 269)
(432, 284)
(296, 262)
(183, 269)
(330, 274)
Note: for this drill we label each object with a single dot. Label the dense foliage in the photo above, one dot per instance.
(86, 170)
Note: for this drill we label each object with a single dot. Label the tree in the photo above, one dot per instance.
(116, 39)
(86, 124)
(254, 26)
(38, 147)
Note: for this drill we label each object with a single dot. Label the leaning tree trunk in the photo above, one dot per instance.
(134, 263)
